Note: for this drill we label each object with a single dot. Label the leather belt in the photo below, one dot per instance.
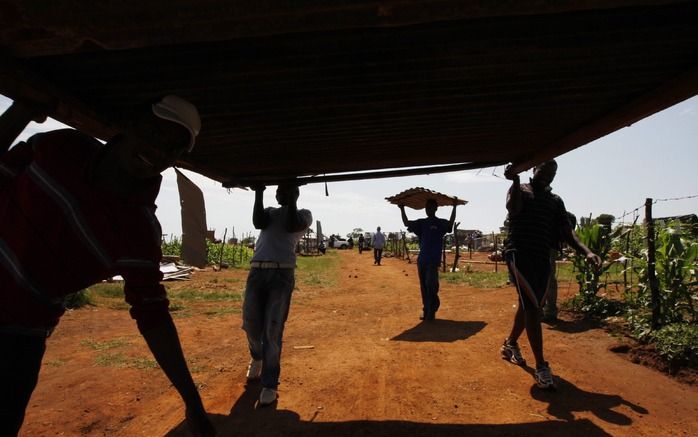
(271, 265)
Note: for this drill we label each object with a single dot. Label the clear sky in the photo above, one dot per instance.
(656, 157)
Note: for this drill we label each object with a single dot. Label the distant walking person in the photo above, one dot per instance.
(378, 243)
(536, 219)
(361, 241)
(270, 284)
(431, 231)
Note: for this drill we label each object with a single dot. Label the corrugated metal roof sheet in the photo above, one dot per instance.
(307, 88)
(417, 197)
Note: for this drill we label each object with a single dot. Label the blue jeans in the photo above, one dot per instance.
(264, 313)
(429, 285)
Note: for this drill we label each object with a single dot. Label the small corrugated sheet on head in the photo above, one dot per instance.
(417, 197)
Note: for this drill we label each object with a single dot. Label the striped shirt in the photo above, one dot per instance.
(60, 235)
(535, 230)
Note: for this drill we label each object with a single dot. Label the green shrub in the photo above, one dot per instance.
(477, 279)
(678, 343)
(597, 238)
(594, 306)
(78, 299)
(172, 247)
(233, 255)
(676, 257)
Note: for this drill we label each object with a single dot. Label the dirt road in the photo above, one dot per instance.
(373, 370)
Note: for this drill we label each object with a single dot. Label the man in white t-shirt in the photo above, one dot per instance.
(378, 243)
(270, 284)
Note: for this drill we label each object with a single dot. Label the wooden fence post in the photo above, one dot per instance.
(455, 240)
(651, 264)
(220, 260)
(494, 242)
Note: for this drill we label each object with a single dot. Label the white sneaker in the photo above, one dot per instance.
(267, 396)
(254, 369)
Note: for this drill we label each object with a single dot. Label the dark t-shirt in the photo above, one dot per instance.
(535, 229)
(431, 231)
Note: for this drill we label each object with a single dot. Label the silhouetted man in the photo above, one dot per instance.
(431, 231)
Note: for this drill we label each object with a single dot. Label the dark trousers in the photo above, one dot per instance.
(377, 255)
(429, 285)
(20, 361)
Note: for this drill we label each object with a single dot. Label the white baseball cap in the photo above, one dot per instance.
(179, 111)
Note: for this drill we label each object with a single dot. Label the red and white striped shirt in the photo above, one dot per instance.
(59, 234)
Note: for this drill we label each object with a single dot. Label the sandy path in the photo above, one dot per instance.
(374, 369)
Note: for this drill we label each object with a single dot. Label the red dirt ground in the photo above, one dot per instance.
(374, 370)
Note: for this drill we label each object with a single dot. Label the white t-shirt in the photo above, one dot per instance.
(378, 240)
(275, 243)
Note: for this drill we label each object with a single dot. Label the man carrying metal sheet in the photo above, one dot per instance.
(537, 218)
(92, 208)
(431, 231)
(270, 284)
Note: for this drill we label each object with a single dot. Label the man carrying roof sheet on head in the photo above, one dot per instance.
(92, 208)
(431, 231)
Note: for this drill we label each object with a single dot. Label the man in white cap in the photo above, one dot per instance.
(92, 208)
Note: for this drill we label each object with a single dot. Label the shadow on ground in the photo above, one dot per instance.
(439, 330)
(247, 419)
(578, 400)
(576, 325)
(567, 399)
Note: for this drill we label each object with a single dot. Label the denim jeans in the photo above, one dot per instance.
(264, 313)
(377, 255)
(20, 361)
(429, 285)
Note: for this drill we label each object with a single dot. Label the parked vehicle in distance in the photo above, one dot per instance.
(339, 243)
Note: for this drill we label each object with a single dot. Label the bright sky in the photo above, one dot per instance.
(656, 157)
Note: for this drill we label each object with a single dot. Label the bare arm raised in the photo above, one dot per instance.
(260, 218)
(514, 201)
(405, 221)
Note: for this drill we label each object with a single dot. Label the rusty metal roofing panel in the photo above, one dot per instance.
(416, 198)
(329, 89)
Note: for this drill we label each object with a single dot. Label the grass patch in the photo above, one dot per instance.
(117, 305)
(476, 279)
(104, 345)
(120, 361)
(217, 312)
(108, 289)
(108, 359)
(188, 294)
(176, 306)
(318, 270)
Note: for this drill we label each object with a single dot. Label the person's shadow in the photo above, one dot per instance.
(246, 418)
(440, 330)
(568, 398)
(573, 327)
